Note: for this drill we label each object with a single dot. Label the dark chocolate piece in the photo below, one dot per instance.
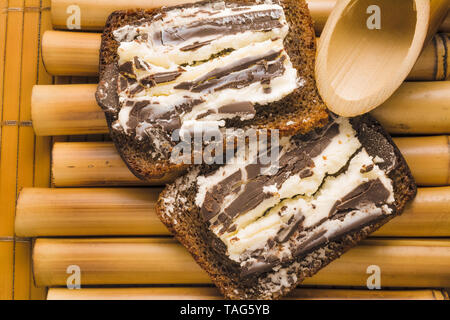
(376, 145)
(249, 199)
(140, 64)
(195, 45)
(306, 173)
(309, 243)
(127, 69)
(215, 197)
(256, 268)
(366, 169)
(161, 77)
(254, 169)
(371, 192)
(137, 89)
(238, 108)
(315, 147)
(205, 114)
(293, 225)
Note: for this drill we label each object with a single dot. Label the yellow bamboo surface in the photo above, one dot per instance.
(207, 293)
(21, 24)
(67, 109)
(88, 212)
(25, 163)
(6, 268)
(71, 53)
(98, 163)
(416, 108)
(131, 261)
(426, 216)
(76, 53)
(44, 212)
(428, 158)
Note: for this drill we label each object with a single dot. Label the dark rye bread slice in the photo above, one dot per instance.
(300, 111)
(188, 227)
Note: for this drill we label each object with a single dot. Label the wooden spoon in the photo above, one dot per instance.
(368, 47)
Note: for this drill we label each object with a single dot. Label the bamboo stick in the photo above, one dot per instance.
(428, 215)
(424, 153)
(433, 62)
(94, 164)
(416, 108)
(94, 13)
(207, 293)
(45, 212)
(439, 11)
(66, 109)
(76, 53)
(71, 53)
(81, 164)
(88, 212)
(128, 261)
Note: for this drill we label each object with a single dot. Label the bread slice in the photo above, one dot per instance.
(290, 104)
(260, 238)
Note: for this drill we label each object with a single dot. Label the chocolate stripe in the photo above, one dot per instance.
(293, 225)
(264, 20)
(195, 45)
(372, 191)
(215, 197)
(161, 77)
(238, 75)
(238, 107)
(146, 111)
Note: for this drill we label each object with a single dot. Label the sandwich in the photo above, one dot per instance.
(259, 232)
(239, 64)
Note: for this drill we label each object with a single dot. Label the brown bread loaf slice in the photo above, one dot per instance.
(334, 187)
(253, 57)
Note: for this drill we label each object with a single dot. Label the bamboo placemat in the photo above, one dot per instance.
(25, 158)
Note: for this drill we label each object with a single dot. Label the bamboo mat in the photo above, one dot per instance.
(26, 162)
(25, 158)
